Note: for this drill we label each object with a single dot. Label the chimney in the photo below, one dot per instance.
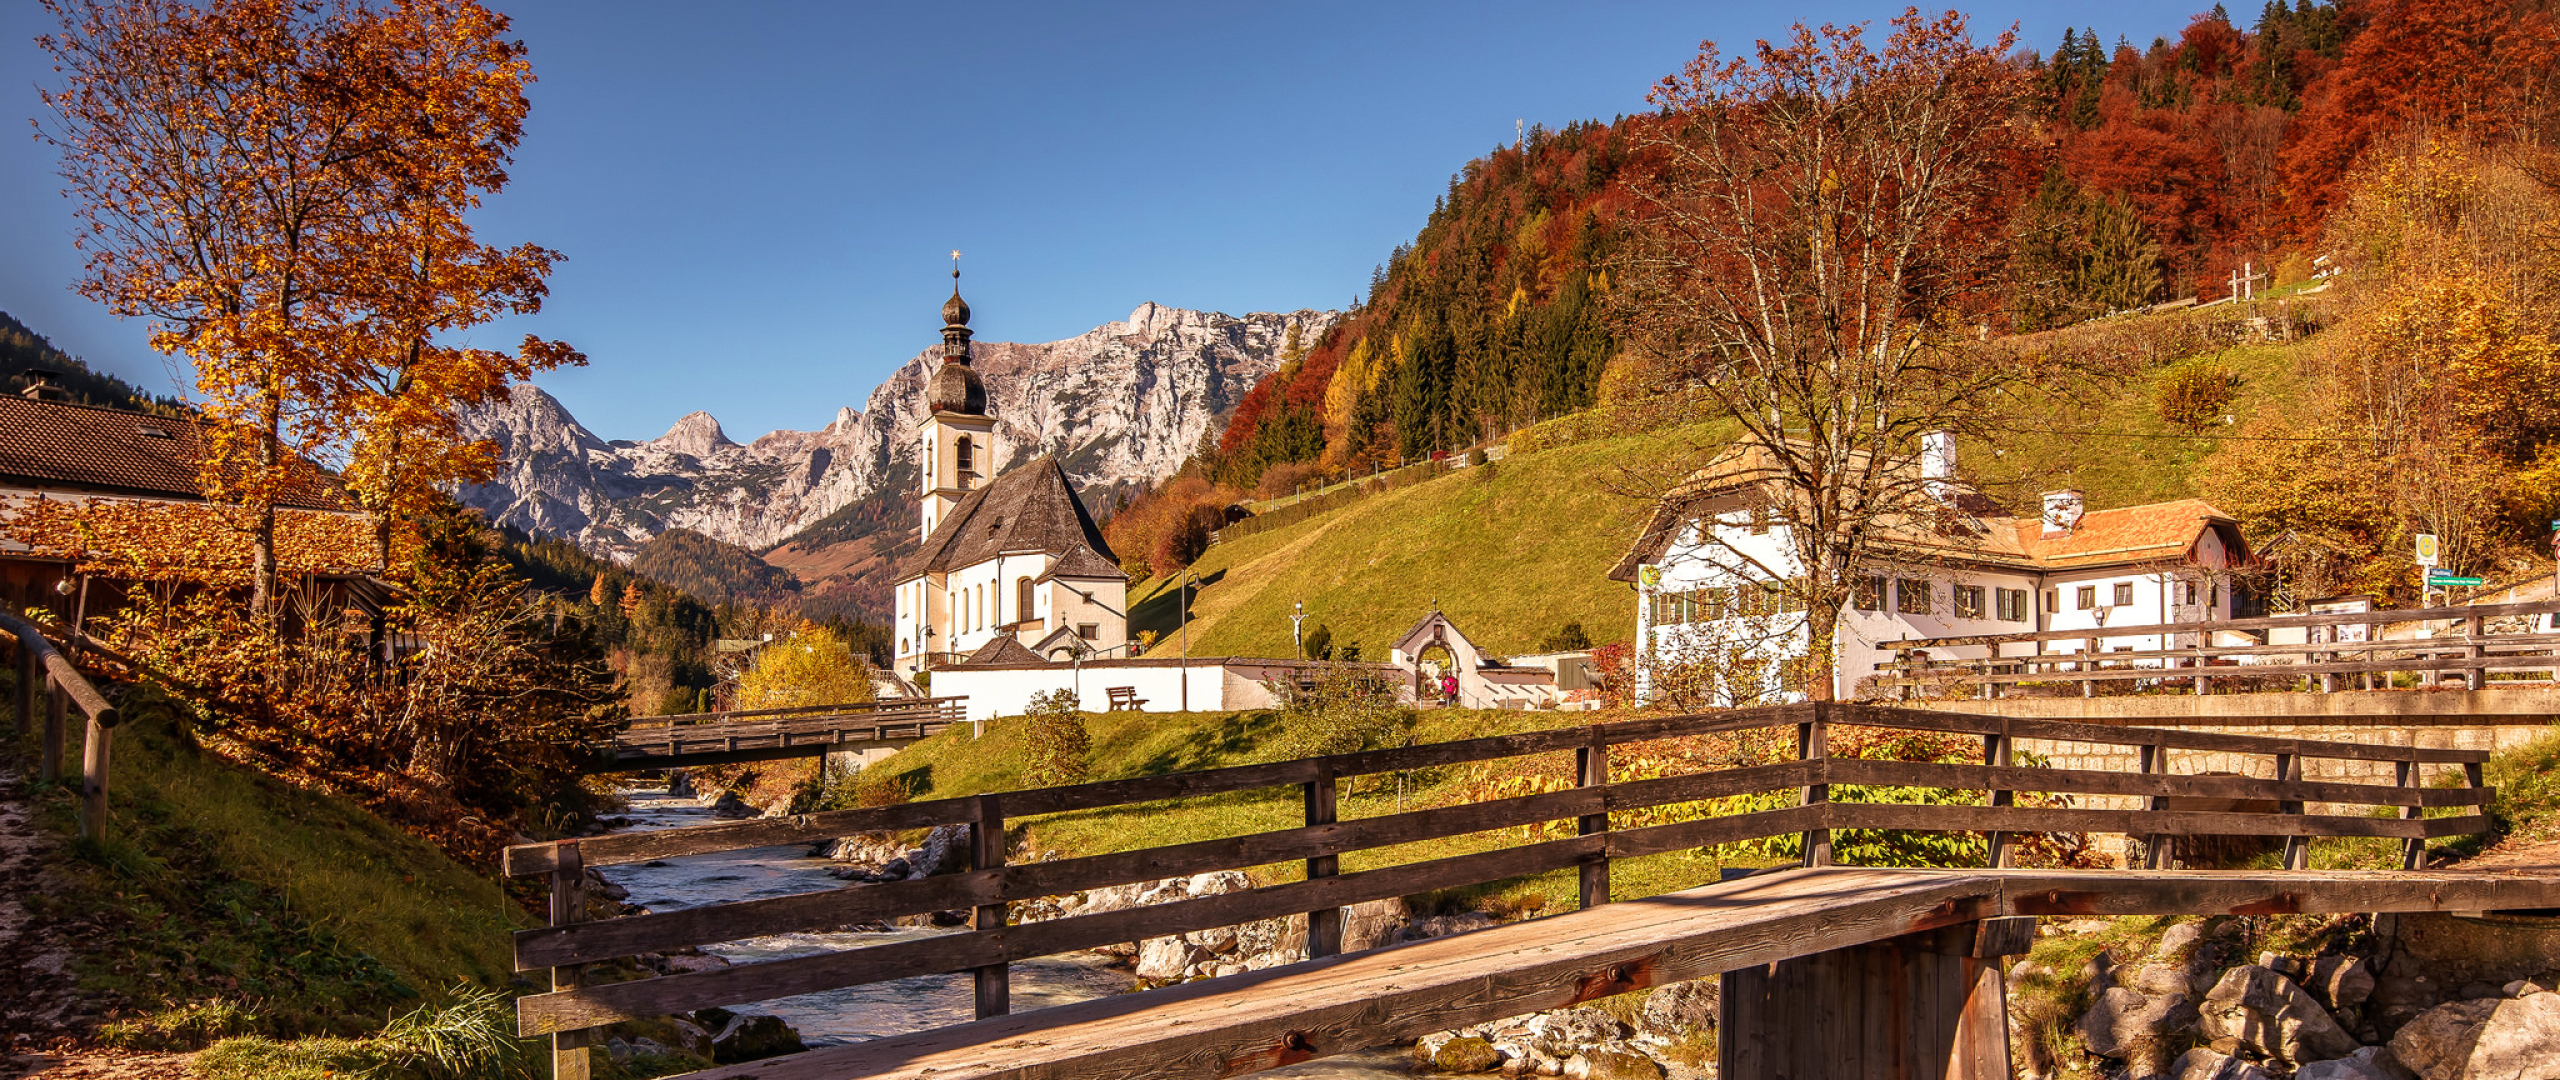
(1938, 465)
(2062, 512)
(40, 386)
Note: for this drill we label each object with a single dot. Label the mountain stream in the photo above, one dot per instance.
(876, 1010)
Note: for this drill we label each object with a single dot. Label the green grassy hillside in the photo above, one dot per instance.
(1513, 554)
(298, 912)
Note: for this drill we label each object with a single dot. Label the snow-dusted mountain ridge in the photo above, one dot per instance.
(1123, 403)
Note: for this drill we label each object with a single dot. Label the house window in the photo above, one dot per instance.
(1666, 608)
(1870, 594)
(2191, 592)
(2012, 603)
(1021, 599)
(1968, 601)
(1088, 631)
(2213, 595)
(2087, 598)
(2053, 599)
(1911, 596)
(1708, 605)
(2124, 593)
(1778, 598)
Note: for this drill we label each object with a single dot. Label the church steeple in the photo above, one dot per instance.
(959, 452)
(955, 387)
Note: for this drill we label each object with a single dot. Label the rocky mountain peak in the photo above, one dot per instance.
(697, 434)
(1122, 404)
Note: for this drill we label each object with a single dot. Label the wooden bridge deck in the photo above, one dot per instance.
(1242, 1024)
(676, 742)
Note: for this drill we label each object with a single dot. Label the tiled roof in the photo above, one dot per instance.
(1030, 509)
(1003, 650)
(53, 444)
(2134, 534)
(1081, 562)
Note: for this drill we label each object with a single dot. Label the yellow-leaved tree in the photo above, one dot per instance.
(813, 666)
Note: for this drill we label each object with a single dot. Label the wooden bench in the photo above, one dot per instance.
(1125, 697)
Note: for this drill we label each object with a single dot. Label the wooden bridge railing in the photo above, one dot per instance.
(40, 664)
(989, 884)
(2473, 653)
(747, 735)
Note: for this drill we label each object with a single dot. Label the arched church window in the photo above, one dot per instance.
(967, 457)
(1022, 597)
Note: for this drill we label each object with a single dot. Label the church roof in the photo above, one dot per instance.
(1030, 509)
(1003, 650)
(1083, 563)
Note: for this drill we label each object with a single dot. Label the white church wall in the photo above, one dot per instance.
(1007, 691)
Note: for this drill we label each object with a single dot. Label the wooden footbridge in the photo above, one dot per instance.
(722, 738)
(1827, 971)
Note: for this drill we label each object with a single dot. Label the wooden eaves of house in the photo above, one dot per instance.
(98, 495)
(1710, 567)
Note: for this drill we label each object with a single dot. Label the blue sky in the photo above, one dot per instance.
(756, 201)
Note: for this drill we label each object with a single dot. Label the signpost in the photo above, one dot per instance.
(2427, 549)
(2451, 581)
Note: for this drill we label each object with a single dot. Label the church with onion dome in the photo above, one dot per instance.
(1012, 568)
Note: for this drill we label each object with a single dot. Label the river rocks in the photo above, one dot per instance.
(1449, 1052)
(2204, 1064)
(729, 805)
(1681, 1008)
(2485, 1039)
(1611, 1065)
(945, 851)
(2260, 1009)
(2344, 982)
(746, 1037)
(1165, 959)
(680, 784)
(2370, 1063)
(1372, 924)
(692, 1038)
(2134, 1027)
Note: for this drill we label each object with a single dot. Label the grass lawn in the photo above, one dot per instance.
(1512, 552)
(296, 912)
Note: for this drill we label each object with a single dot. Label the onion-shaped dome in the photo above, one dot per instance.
(955, 311)
(956, 389)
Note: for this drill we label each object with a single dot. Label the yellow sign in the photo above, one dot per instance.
(2426, 549)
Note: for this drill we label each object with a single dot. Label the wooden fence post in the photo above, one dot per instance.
(1592, 764)
(57, 701)
(2159, 851)
(1813, 743)
(986, 852)
(2089, 663)
(2413, 851)
(569, 1056)
(95, 753)
(1324, 928)
(2476, 653)
(1998, 750)
(2297, 847)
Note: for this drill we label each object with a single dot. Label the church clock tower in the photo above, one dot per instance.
(958, 451)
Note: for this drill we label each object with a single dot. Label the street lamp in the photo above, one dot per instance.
(1295, 640)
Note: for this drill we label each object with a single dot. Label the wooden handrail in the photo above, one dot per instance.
(39, 659)
(1585, 807)
(609, 850)
(2345, 618)
(846, 708)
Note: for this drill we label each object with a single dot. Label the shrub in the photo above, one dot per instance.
(1338, 711)
(1283, 480)
(1058, 750)
(1318, 644)
(2192, 394)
